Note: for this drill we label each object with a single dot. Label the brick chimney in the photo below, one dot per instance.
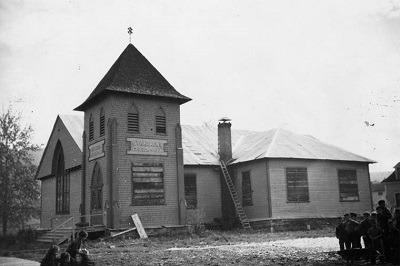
(224, 139)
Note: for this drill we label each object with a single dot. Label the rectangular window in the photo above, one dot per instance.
(247, 197)
(297, 185)
(62, 193)
(147, 184)
(397, 200)
(133, 123)
(348, 185)
(191, 191)
(161, 126)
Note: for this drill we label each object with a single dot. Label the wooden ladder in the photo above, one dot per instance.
(238, 205)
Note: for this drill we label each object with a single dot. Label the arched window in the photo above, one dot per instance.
(62, 180)
(102, 123)
(91, 128)
(161, 124)
(96, 189)
(133, 119)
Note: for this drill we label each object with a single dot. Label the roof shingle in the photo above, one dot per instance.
(133, 73)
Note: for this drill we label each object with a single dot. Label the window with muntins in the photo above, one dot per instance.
(247, 197)
(161, 123)
(96, 189)
(91, 128)
(62, 181)
(297, 184)
(133, 120)
(148, 184)
(102, 123)
(190, 191)
(348, 185)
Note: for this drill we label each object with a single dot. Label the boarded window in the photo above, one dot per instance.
(191, 191)
(247, 197)
(297, 185)
(62, 181)
(161, 123)
(348, 185)
(96, 189)
(148, 184)
(133, 120)
(102, 123)
(91, 128)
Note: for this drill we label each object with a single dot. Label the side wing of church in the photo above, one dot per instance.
(129, 154)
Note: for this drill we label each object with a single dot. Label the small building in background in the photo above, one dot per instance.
(392, 187)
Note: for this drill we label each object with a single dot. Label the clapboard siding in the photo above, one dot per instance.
(117, 106)
(208, 194)
(323, 189)
(259, 184)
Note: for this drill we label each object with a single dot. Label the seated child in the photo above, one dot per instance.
(50, 259)
(65, 259)
(85, 260)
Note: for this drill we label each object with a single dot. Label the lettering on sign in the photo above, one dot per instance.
(147, 146)
(96, 150)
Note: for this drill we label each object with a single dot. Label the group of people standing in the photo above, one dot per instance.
(379, 230)
(73, 256)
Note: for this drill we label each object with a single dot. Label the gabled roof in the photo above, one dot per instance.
(281, 143)
(75, 126)
(133, 73)
(200, 144)
(391, 178)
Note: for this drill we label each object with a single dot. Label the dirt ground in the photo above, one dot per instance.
(216, 248)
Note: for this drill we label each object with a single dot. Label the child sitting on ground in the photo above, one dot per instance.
(75, 246)
(65, 259)
(85, 260)
(50, 259)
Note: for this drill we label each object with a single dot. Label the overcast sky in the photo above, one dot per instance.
(330, 69)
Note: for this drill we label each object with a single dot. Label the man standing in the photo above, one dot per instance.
(363, 229)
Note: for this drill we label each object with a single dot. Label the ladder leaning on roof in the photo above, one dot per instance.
(238, 205)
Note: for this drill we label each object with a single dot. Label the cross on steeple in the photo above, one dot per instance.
(130, 34)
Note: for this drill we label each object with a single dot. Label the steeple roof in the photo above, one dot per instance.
(133, 73)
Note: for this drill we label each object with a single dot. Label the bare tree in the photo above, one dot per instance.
(18, 187)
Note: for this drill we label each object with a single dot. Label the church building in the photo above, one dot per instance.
(129, 154)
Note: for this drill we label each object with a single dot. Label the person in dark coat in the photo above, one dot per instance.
(65, 259)
(394, 240)
(363, 228)
(396, 218)
(351, 229)
(383, 217)
(50, 259)
(355, 235)
(75, 246)
(341, 234)
(375, 233)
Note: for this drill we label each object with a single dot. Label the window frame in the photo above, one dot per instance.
(249, 193)
(96, 189)
(160, 122)
(341, 199)
(190, 193)
(288, 189)
(63, 179)
(102, 124)
(133, 111)
(91, 128)
(149, 176)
